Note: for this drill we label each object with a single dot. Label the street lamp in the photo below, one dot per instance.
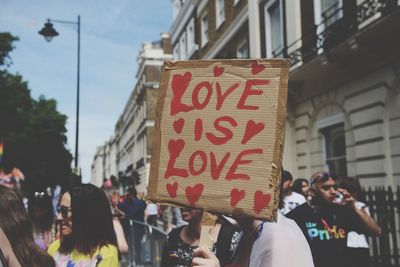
(49, 33)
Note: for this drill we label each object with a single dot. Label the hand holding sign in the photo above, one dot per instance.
(218, 131)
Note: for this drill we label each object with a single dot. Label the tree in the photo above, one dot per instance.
(33, 131)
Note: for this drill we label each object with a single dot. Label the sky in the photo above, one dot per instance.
(112, 32)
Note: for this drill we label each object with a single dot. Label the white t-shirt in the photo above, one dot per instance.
(281, 244)
(354, 239)
(292, 201)
(151, 209)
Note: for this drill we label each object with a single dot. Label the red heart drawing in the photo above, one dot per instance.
(252, 129)
(172, 188)
(193, 193)
(256, 68)
(175, 146)
(236, 196)
(261, 201)
(218, 71)
(178, 125)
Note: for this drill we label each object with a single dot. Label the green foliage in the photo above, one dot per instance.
(6, 45)
(33, 131)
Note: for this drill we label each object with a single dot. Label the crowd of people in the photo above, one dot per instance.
(321, 222)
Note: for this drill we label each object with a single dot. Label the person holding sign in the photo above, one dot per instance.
(218, 133)
(182, 241)
(264, 244)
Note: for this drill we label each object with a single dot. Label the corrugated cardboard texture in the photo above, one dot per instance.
(216, 149)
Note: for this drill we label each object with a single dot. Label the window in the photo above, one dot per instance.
(243, 50)
(335, 149)
(274, 29)
(330, 11)
(190, 36)
(182, 47)
(326, 13)
(176, 52)
(204, 30)
(220, 12)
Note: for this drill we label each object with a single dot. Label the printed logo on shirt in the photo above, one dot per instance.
(315, 233)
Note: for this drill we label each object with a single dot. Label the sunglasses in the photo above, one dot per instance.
(322, 177)
(327, 187)
(64, 211)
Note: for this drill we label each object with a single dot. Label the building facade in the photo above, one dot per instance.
(127, 154)
(344, 82)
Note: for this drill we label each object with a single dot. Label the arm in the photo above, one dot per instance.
(122, 245)
(7, 250)
(369, 223)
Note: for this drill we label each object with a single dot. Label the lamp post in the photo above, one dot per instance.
(49, 33)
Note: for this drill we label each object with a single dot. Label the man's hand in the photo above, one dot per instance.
(348, 199)
(203, 257)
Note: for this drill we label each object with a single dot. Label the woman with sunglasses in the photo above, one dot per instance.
(87, 233)
(17, 226)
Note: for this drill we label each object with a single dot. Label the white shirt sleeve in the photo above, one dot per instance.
(281, 244)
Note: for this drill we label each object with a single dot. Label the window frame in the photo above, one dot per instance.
(268, 29)
(331, 124)
(190, 37)
(204, 35)
(183, 47)
(240, 46)
(219, 13)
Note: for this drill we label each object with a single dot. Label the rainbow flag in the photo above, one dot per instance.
(1, 150)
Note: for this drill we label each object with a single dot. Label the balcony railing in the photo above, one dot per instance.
(336, 27)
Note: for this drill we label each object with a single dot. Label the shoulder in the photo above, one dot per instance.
(108, 251)
(284, 229)
(299, 211)
(298, 197)
(280, 237)
(53, 248)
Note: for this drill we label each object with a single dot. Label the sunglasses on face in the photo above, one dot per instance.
(322, 177)
(327, 187)
(64, 211)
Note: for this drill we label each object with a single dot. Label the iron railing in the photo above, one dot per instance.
(384, 205)
(337, 27)
(145, 244)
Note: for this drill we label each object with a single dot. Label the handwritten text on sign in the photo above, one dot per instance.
(218, 136)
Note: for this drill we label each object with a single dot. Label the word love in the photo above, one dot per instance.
(180, 84)
(203, 159)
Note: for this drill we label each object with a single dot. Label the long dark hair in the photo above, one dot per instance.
(298, 185)
(92, 225)
(17, 226)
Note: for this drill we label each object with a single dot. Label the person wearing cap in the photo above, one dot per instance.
(327, 219)
(290, 199)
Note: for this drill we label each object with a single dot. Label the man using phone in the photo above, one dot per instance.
(327, 219)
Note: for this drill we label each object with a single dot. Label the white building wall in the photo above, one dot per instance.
(371, 114)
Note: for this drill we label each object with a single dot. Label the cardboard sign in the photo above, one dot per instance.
(219, 136)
